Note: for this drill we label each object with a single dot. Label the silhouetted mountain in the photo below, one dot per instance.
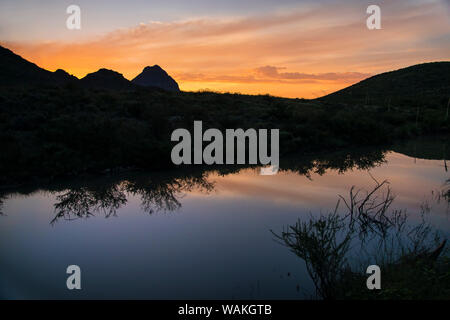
(156, 77)
(106, 79)
(14, 70)
(422, 84)
(58, 131)
(63, 76)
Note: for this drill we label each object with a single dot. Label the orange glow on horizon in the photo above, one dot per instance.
(297, 54)
(244, 83)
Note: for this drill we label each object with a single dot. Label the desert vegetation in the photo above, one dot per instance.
(364, 230)
(48, 131)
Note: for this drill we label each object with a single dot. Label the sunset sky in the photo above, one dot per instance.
(282, 47)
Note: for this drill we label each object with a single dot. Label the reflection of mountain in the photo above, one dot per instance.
(431, 148)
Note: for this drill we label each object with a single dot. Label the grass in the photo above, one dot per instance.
(338, 247)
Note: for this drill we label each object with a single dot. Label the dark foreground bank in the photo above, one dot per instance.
(61, 131)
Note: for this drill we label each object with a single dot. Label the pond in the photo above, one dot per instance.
(199, 233)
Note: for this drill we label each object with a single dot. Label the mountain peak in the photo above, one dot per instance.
(154, 67)
(106, 79)
(155, 76)
(61, 71)
(63, 76)
(106, 73)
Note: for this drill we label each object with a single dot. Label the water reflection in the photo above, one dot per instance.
(83, 202)
(1, 205)
(157, 193)
(375, 234)
(161, 192)
(429, 148)
(362, 159)
(216, 227)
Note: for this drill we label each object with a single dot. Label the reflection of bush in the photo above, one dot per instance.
(164, 196)
(1, 206)
(156, 193)
(78, 203)
(446, 191)
(161, 191)
(384, 237)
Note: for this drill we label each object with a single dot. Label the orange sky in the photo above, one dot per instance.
(297, 53)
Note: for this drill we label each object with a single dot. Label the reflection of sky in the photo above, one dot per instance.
(412, 180)
(217, 245)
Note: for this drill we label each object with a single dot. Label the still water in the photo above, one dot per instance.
(199, 235)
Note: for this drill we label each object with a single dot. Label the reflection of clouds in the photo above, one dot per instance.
(412, 181)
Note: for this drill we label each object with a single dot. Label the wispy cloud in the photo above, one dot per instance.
(272, 72)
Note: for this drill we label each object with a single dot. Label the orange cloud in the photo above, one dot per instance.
(273, 73)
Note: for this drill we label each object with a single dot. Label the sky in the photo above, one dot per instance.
(289, 48)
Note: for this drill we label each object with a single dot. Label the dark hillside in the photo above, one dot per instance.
(426, 84)
(14, 70)
(104, 121)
